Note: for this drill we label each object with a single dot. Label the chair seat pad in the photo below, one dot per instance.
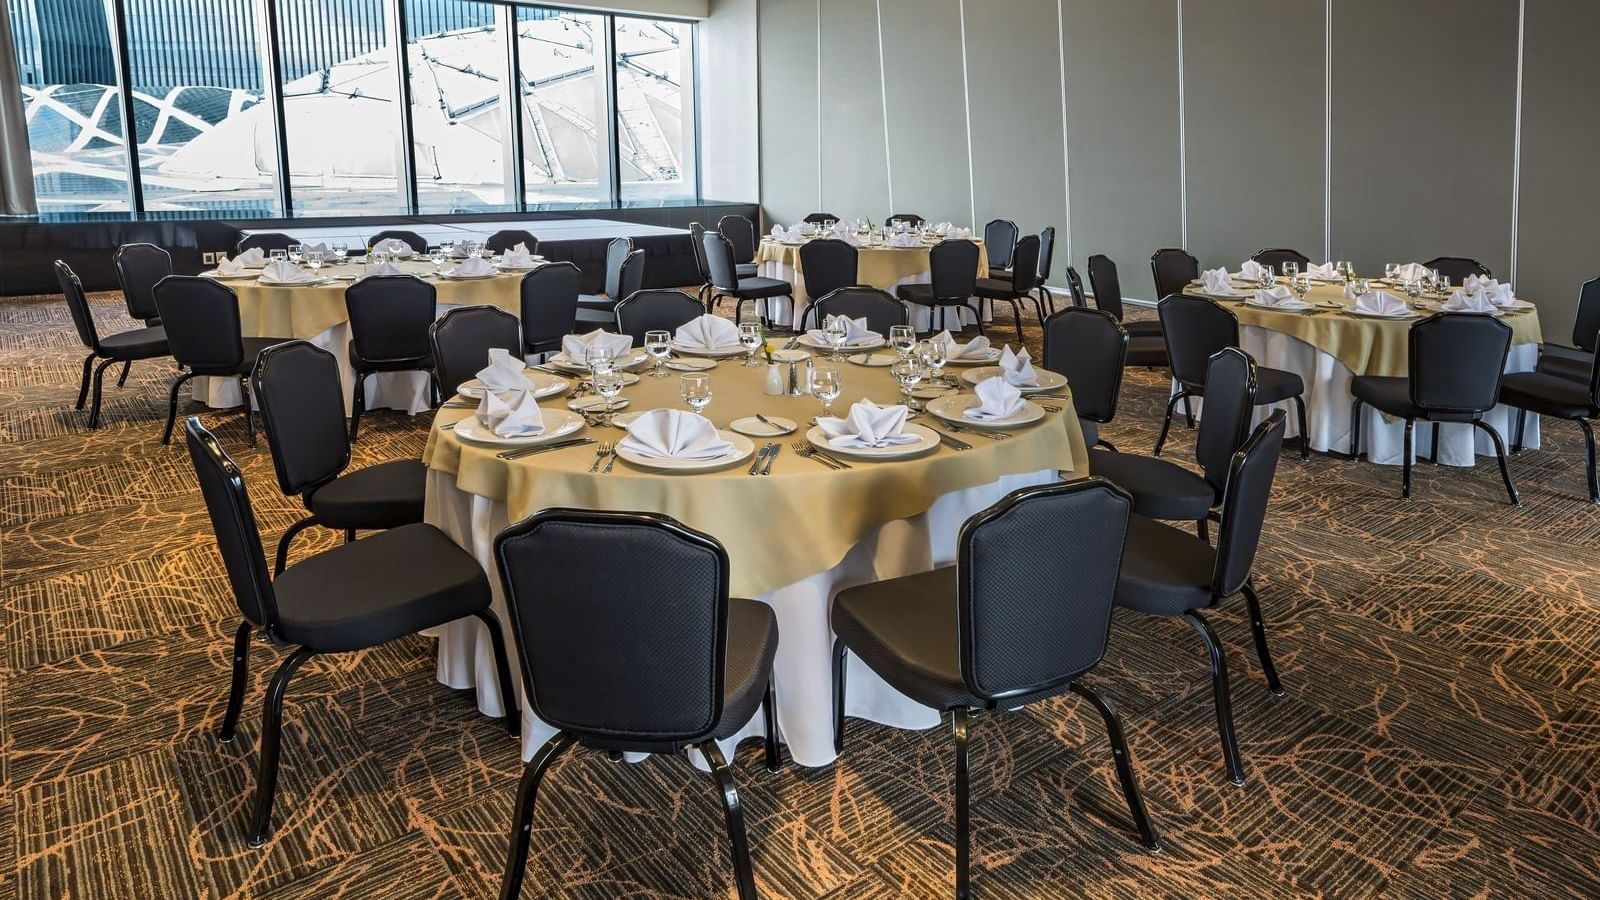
(752, 646)
(1566, 363)
(386, 495)
(746, 270)
(596, 301)
(1385, 393)
(1165, 572)
(756, 288)
(135, 343)
(1277, 385)
(1160, 489)
(921, 294)
(996, 288)
(389, 585)
(905, 629)
(1546, 394)
(1000, 273)
(252, 348)
(404, 364)
(1143, 327)
(1146, 350)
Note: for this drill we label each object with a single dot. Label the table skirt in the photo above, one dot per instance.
(802, 675)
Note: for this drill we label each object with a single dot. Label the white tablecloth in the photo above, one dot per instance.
(803, 670)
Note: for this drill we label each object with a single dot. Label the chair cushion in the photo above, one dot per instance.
(1147, 350)
(752, 645)
(997, 288)
(1143, 327)
(386, 495)
(1546, 394)
(1565, 362)
(746, 270)
(252, 348)
(1276, 385)
(905, 629)
(408, 364)
(1160, 489)
(1385, 393)
(394, 583)
(135, 343)
(1165, 572)
(920, 292)
(1000, 273)
(757, 288)
(596, 301)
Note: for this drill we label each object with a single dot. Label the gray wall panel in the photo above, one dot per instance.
(927, 115)
(855, 173)
(1402, 192)
(1254, 83)
(1122, 132)
(788, 65)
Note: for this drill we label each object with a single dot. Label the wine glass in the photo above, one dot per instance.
(341, 252)
(277, 255)
(449, 248)
(695, 389)
(437, 254)
(903, 339)
(659, 345)
(1441, 282)
(934, 356)
(826, 385)
(314, 260)
(1265, 278)
(836, 329)
(907, 371)
(1391, 271)
(1413, 289)
(1302, 286)
(608, 384)
(295, 254)
(377, 257)
(750, 339)
(1347, 270)
(1363, 287)
(1291, 270)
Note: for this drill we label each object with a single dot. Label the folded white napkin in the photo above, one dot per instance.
(905, 240)
(395, 247)
(1496, 293)
(778, 232)
(1411, 272)
(868, 426)
(1278, 296)
(1323, 271)
(708, 333)
(1382, 303)
(511, 413)
(459, 251)
(958, 234)
(1251, 270)
(318, 247)
(675, 434)
(576, 346)
(233, 266)
(997, 400)
(254, 258)
(472, 268)
(1469, 301)
(384, 269)
(977, 348)
(518, 257)
(1216, 281)
(504, 373)
(943, 228)
(1017, 368)
(857, 332)
(283, 272)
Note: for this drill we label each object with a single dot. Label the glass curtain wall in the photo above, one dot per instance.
(655, 109)
(561, 74)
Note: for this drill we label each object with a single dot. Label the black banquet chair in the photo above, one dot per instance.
(1172, 270)
(741, 235)
(1559, 396)
(726, 282)
(508, 238)
(1167, 572)
(697, 243)
(125, 347)
(1577, 361)
(624, 275)
(203, 333)
(1019, 285)
(698, 668)
(1458, 268)
(1146, 346)
(912, 220)
(350, 598)
(656, 310)
(1021, 617)
(1044, 302)
(817, 218)
(302, 410)
(1075, 288)
(999, 237)
(389, 319)
(1087, 347)
(265, 241)
(1455, 364)
(954, 279)
(461, 339)
(1276, 257)
(881, 310)
(139, 267)
(828, 265)
(549, 304)
(416, 242)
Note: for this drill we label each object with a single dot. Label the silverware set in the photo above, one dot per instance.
(991, 435)
(762, 465)
(951, 442)
(803, 449)
(606, 448)
(544, 448)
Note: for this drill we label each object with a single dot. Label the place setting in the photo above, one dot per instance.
(507, 373)
(511, 419)
(579, 352)
(841, 333)
(1018, 370)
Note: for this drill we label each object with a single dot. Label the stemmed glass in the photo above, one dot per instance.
(1265, 278)
(750, 339)
(449, 248)
(314, 261)
(1291, 269)
(836, 329)
(827, 386)
(934, 356)
(341, 252)
(294, 254)
(598, 360)
(437, 254)
(659, 345)
(908, 371)
(607, 384)
(903, 339)
(695, 389)
(1440, 281)
(1302, 286)
(1390, 271)
(1347, 270)
(1413, 289)
(277, 255)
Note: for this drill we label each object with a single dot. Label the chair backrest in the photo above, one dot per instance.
(1457, 268)
(817, 218)
(139, 267)
(719, 262)
(1025, 264)
(507, 238)
(462, 338)
(741, 235)
(1036, 574)
(1456, 361)
(302, 409)
(390, 315)
(697, 242)
(631, 277)
(954, 265)
(617, 250)
(1195, 329)
(234, 524)
(78, 305)
(1586, 325)
(265, 241)
(1244, 505)
(1075, 286)
(881, 310)
(1088, 347)
(201, 318)
(911, 219)
(1275, 258)
(1173, 270)
(656, 310)
(999, 236)
(1047, 253)
(550, 303)
(621, 623)
(828, 264)
(1107, 285)
(413, 240)
(1230, 404)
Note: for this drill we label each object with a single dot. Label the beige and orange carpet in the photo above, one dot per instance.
(1440, 735)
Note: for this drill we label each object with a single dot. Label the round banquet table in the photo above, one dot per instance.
(316, 312)
(795, 537)
(1328, 347)
(883, 267)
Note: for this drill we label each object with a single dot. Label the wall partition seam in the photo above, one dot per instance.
(272, 82)
(883, 87)
(818, 69)
(966, 102)
(1183, 143)
(1327, 132)
(1066, 151)
(1516, 137)
(117, 21)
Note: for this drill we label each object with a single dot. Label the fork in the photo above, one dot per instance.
(991, 435)
(805, 450)
(601, 452)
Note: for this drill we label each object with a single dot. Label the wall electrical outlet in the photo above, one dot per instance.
(209, 259)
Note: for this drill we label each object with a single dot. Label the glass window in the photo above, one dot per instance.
(564, 138)
(457, 59)
(74, 112)
(655, 109)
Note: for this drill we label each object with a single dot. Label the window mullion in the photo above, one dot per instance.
(117, 22)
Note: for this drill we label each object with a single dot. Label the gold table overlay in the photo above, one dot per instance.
(779, 528)
(881, 267)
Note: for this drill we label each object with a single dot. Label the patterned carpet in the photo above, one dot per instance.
(1439, 736)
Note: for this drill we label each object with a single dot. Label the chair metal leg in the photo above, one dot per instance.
(959, 723)
(1258, 626)
(502, 671)
(1166, 423)
(1500, 454)
(1202, 531)
(774, 752)
(1220, 694)
(241, 664)
(1522, 427)
(283, 543)
(1355, 430)
(522, 820)
(1405, 461)
(1305, 435)
(123, 378)
(1588, 444)
(1106, 444)
(94, 406)
(358, 404)
(742, 874)
(249, 412)
(349, 535)
(1433, 457)
(1188, 411)
(271, 732)
(172, 406)
(1124, 761)
(838, 695)
(83, 383)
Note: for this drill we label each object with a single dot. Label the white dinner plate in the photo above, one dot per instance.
(451, 276)
(623, 420)
(927, 439)
(518, 269)
(790, 356)
(870, 343)
(542, 385)
(558, 423)
(596, 404)
(754, 427)
(742, 448)
(1294, 307)
(241, 276)
(691, 364)
(1409, 314)
(318, 282)
(952, 406)
(719, 353)
(987, 358)
(1048, 380)
(635, 358)
(874, 360)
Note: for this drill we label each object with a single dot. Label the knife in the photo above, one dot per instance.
(755, 464)
(544, 448)
(776, 449)
(951, 442)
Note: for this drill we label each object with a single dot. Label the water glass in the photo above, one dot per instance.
(836, 329)
(750, 339)
(908, 372)
(1265, 278)
(903, 339)
(1413, 289)
(598, 359)
(607, 384)
(1291, 270)
(695, 389)
(437, 254)
(1440, 281)
(1302, 286)
(314, 260)
(341, 252)
(827, 386)
(1363, 287)
(659, 345)
(1390, 271)
(295, 254)
(277, 255)
(934, 356)
(449, 248)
